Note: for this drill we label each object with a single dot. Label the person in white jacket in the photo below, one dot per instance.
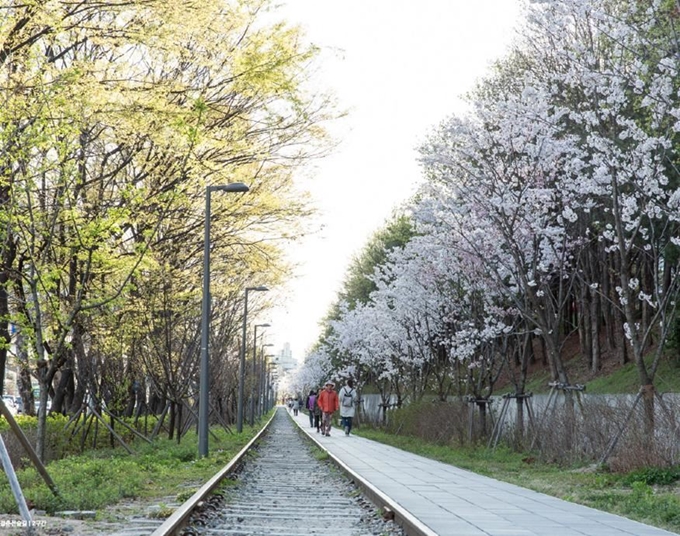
(348, 401)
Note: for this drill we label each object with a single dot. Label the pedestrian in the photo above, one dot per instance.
(318, 414)
(296, 406)
(310, 404)
(348, 401)
(328, 402)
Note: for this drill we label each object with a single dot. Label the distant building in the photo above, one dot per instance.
(284, 361)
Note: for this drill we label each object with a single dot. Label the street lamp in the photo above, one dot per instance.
(242, 364)
(262, 386)
(260, 383)
(204, 384)
(254, 380)
(271, 367)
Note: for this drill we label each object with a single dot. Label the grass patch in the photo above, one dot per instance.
(616, 380)
(625, 379)
(318, 453)
(104, 477)
(622, 380)
(647, 496)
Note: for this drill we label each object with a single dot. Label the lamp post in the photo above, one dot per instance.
(260, 383)
(255, 381)
(264, 383)
(204, 385)
(271, 376)
(242, 363)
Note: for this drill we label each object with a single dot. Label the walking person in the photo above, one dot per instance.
(329, 404)
(318, 414)
(348, 401)
(296, 406)
(310, 405)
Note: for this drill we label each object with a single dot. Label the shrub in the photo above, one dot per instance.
(57, 444)
(654, 476)
(441, 423)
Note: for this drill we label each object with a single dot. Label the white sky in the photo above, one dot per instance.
(398, 68)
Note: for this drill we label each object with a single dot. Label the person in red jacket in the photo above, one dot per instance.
(329, 404)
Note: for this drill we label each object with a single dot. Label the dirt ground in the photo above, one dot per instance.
(54, 526)
(115, 520)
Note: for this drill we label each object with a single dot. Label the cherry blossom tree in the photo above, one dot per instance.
(552, 206)
(618, 76)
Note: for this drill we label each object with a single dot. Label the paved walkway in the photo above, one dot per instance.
(454, 502)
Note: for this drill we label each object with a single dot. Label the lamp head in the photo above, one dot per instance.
(261, 288)
(232, 187)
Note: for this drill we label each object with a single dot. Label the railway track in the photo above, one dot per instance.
(284, 487)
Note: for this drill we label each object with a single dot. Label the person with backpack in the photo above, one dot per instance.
(310, 404)
(348, 400)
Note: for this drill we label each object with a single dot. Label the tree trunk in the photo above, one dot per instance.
(585, 331)
(8, 256)
(4, 329)
(595, 361)
(519, 428)
(65, 379)
(648, 405)
(82, 372)
(25, 383)
(607, 313)
(482, 416)
(623, 350)
(179, 422)
(171, 420)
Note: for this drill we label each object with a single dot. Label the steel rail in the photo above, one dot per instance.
(178, 520)
(411, 524)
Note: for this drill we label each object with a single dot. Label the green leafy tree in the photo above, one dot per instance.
(116, 118)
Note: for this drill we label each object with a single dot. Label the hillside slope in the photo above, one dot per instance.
(613, 377)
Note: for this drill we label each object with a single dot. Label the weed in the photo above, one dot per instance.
(163, 512)
(184, 496)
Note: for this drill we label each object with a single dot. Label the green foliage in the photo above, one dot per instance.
(163, 512)
(103, 477)
(654, 476)
(59, 441)
(357, 286)
(184, 496)
(321, 456)
(625, 379)
(659, 508)
(109, 135)
(57, 444)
